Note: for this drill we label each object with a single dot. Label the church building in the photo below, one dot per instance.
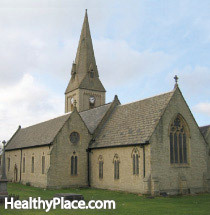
(151, 146)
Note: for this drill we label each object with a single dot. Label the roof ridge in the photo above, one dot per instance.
(46, 120)
(148, 98)
(95, 107)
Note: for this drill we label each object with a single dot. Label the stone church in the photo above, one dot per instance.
(151, 146)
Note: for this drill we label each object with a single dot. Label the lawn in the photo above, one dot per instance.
(126, 203)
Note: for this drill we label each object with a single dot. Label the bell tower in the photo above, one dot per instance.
(84, 86)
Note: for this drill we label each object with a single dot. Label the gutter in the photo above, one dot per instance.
(27, 147)
(122, 145)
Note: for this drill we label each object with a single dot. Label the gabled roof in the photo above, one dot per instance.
(205, 129)
(44, 133)
(132, 123)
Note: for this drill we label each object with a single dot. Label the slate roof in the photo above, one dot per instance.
(205, 129)
(45, 132)
(132, 123)
(37, 135)
(93, 117)
(129, 124)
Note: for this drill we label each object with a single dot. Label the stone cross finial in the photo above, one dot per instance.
(176, 80)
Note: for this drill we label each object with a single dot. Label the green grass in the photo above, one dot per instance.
(126, 203)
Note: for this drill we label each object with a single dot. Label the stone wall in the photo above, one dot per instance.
(208, 150)
(177, 178)
(82, 97)
(59, 174)
(16, 166)
(127, 181)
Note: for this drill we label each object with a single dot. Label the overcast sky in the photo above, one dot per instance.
(139, 47)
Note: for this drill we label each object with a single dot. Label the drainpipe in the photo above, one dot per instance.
(88, 166)
(144, 161)
(144, 157)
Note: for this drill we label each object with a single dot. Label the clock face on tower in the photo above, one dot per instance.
(92, 99)
(72, 101)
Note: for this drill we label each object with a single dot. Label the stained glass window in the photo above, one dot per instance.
(178, 141)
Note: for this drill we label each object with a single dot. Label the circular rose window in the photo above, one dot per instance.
(74, 137)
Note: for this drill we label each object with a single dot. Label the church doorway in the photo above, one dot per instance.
(15, 173)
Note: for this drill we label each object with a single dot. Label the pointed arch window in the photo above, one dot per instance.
(101, 163)
(135, 159)
(116, 162)
(32, 164)
(24, 164)
(92, 73)
(179, 138)
(43, 164)
(74, 164)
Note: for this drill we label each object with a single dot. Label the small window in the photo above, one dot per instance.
(92, 74)
(8, 159)
(72, 103)
(101, 163)
(43, 164)
(116, 167)
(24, 164)
(32, 165)
(73, 165)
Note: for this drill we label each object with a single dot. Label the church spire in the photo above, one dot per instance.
(84, 74)
(85, 63)
(85, 54)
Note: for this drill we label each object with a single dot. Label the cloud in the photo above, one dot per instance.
(26, 103)
(39, 41)
(37, 53)
(118, 61)
(203, 108)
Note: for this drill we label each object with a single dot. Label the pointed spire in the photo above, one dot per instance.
(84, 65)
(85, 53)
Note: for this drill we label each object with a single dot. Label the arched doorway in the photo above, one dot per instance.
(15, 173)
